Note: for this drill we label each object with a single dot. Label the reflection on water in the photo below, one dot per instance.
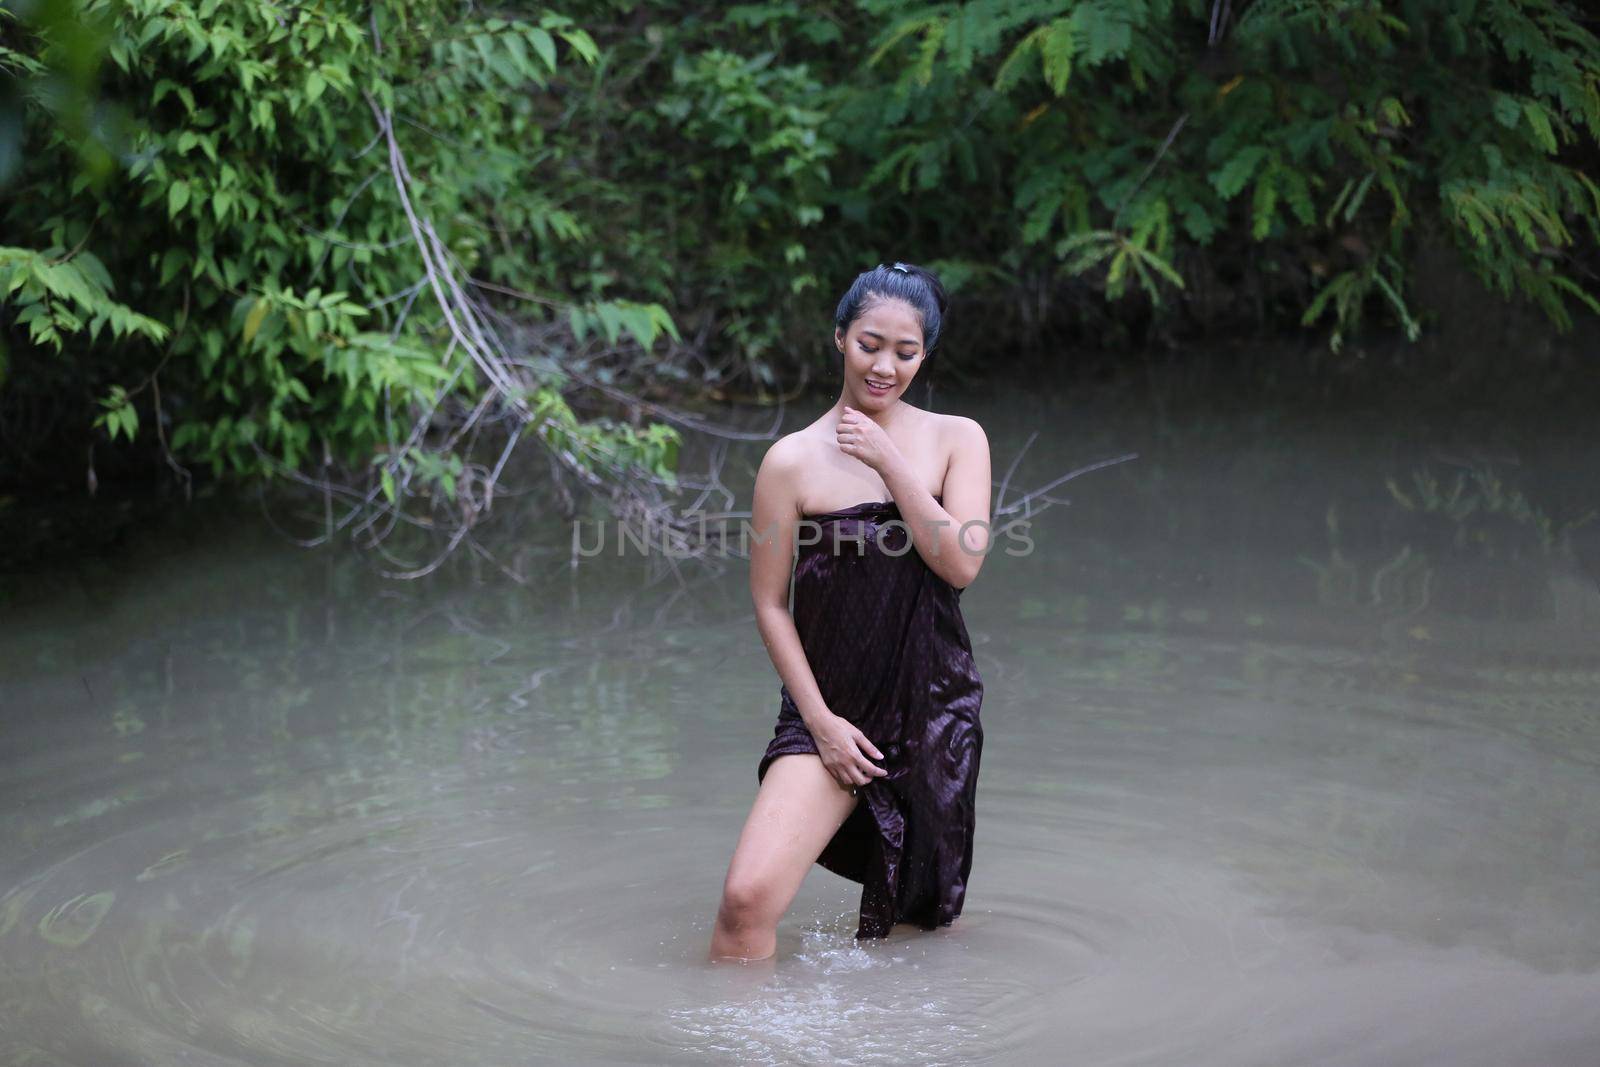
(1292, 749)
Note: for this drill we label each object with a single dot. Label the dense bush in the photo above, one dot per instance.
(231, 203)
(1294, 152)
(202, 206)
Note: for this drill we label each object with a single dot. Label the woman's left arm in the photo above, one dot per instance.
(953, 539)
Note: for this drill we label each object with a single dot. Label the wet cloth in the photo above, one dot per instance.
(887, 644)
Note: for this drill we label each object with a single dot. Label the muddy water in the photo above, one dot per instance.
(1292, 756)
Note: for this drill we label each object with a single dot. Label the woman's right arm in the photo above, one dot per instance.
(774, 515)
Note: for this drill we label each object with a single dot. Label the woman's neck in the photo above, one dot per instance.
(886, 418)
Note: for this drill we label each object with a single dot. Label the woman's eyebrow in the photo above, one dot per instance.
(903, 340)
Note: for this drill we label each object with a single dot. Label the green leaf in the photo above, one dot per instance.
(582, 44)
(1011, 70)
(1229, 179)
(610, 320)
(1539, 122)
(899, 33)
(544, 45)
(1263, 209)
(253, 321)
(1360, 194)
(1056, 51)
(1506, 110)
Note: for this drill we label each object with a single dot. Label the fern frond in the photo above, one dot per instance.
(1055, 51)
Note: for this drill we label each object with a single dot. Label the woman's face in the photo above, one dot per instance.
(883, 347)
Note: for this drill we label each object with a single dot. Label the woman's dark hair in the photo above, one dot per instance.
(915, 285)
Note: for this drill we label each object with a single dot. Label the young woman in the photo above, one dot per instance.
(882, 511)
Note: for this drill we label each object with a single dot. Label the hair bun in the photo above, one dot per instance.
(894, 280)
(934, 287)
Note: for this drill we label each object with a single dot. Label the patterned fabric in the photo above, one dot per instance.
(885, 639)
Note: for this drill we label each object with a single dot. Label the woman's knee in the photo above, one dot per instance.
(748, 899)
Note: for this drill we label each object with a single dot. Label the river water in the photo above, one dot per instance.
(1292, 756)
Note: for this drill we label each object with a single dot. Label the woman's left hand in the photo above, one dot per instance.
(864, 439)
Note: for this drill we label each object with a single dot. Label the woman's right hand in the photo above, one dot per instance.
(843, 749)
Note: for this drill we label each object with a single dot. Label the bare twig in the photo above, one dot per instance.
(1135, 187)
(1000, 497)
(373, 510)
(1027, 498)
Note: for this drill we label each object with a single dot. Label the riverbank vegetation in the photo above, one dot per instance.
(376, 250)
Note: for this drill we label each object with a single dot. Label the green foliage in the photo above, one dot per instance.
(744, 196)
(1347, 292)
(200, 196)
(613, 446)
(644, 321)
(1297, 137)
(258, 233)
(57, 292)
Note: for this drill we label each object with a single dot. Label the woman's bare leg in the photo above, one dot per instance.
(797, 810)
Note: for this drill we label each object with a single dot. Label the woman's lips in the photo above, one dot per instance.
(877, 390)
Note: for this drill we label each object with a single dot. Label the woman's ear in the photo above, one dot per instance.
(838, 338)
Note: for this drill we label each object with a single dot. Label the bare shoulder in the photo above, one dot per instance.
(790, 452)
(959, 432)
(778, 478)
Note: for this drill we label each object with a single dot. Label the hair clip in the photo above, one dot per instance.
(901, 267)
